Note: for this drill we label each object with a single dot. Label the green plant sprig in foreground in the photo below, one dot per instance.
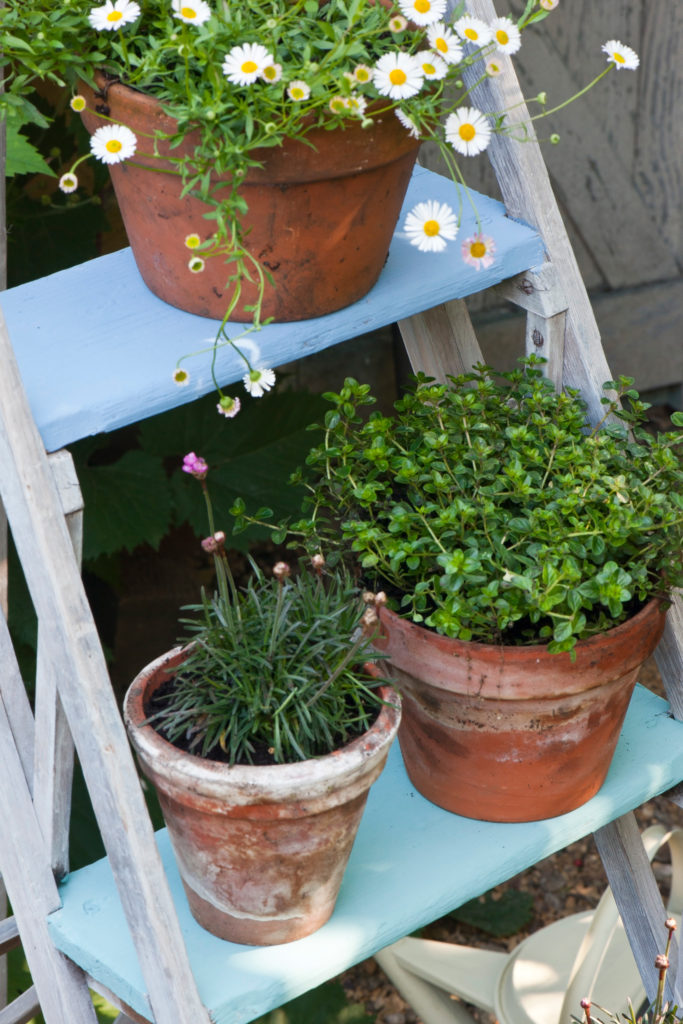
(275, 668)
(490, 510)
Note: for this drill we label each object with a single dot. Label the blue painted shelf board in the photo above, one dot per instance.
(97, 350)
(403, 840)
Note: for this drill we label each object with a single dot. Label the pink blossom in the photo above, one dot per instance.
(195, 465)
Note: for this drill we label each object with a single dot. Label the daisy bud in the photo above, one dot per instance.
(369, 620)
(380, 599)
(318, 563)
(585, 1004)
(215, 543)
(661, 962)
(281, 571)
(542, 98)
(368, 597)
(554, 138)
(670, 924)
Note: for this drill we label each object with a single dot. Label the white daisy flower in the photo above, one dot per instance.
(229, 406)
(272, 73)
(257, 382)
(506, 35)
(433, 67)
(196, 264)
(423, 12)
(338, 104)
(181, 377)
(549, 5)
(444, 42)
(298, 90)
(407, 123)
(68, 182)
(113, 143)
(397, 75)
(192, 12)
(479, 251)
(114, 15)
(430, 225)
(362, 74)
(193, 241)
(473, 30)
(623, 57)
(356, 105)
(468, 131)
(493, 68)
(244, 64)
(77, 103)
(397, 23)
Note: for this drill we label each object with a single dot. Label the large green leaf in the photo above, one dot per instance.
(127, 503)
(22, 156)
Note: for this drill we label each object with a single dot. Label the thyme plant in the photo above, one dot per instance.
(490, 510)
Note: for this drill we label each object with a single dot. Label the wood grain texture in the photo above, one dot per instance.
(441, 341)
(632, 882)
(47, 555)
(22, 1009)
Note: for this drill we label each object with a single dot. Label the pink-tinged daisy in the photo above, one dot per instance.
(114, 15)
(113, 143)
(196, 265)
(506, 35)
(623, 57)
(68, 182)
(430, 225)
(444, 42)
(397, 75)
(549, 5)
(468, 131)
(229, 406)
(77, 103)
(407, 123)
(272, 73)
(182, 379)
(423, 12)
(493, 68)
(473, 30)
(244, 64)
(257, 382)
(433, 67)
(298, 90)
(192, 12)
(397, 23)
(479, 251)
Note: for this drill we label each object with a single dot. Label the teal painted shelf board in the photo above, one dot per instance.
(97, 349)
(411, 863)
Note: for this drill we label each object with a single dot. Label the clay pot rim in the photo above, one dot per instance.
(248, 784)
(541, 650)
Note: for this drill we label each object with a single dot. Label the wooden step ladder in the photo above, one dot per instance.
(121, 926)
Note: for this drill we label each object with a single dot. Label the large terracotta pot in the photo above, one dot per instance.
(261, 849)
(513, 733)
(320, 216)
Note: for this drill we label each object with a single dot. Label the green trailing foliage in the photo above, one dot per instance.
(490, 510)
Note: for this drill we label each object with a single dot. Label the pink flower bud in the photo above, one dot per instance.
(215, 543)
(318, 563)
(195, 465)
(670, 924)
(661, 962)
(281, 571)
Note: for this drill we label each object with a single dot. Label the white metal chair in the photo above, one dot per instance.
(543, 980)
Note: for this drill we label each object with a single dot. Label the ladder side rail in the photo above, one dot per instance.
(25, 864)
(638, 899)
(441, 341)
(525, 185)
(54, 761)
(22, 1009)
(46, 553)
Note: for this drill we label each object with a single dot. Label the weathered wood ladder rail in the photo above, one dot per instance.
(74, 703)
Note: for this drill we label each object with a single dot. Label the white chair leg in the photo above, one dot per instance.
(431, 1004)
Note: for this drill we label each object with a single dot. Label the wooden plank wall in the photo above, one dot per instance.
(617, 176)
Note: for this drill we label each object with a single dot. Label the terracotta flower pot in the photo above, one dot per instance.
(320, 216)
(513, 733)
(261, 849)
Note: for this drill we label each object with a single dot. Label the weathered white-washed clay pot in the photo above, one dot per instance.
(261, 849)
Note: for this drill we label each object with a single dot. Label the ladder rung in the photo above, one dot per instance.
(9, 937)
(22, 1009)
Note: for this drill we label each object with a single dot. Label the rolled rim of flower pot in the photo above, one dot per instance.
(248, 784)
(450, 665)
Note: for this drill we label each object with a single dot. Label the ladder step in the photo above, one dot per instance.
(9, 937)
(22, 1009)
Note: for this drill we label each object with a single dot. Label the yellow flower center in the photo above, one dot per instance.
(398, 77)
(619, 58)
(113, 146)
(362, 75)
(297, 94)
(441, 45)
(270, 73)
(467, 132)
(114, 16)
(429, 69)
(249, 67)
(188, 12)
(472, 34)
(477, 250)
(431, 227)
(422, 6)
(502, 37)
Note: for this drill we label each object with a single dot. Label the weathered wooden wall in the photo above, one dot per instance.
(617, 175)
